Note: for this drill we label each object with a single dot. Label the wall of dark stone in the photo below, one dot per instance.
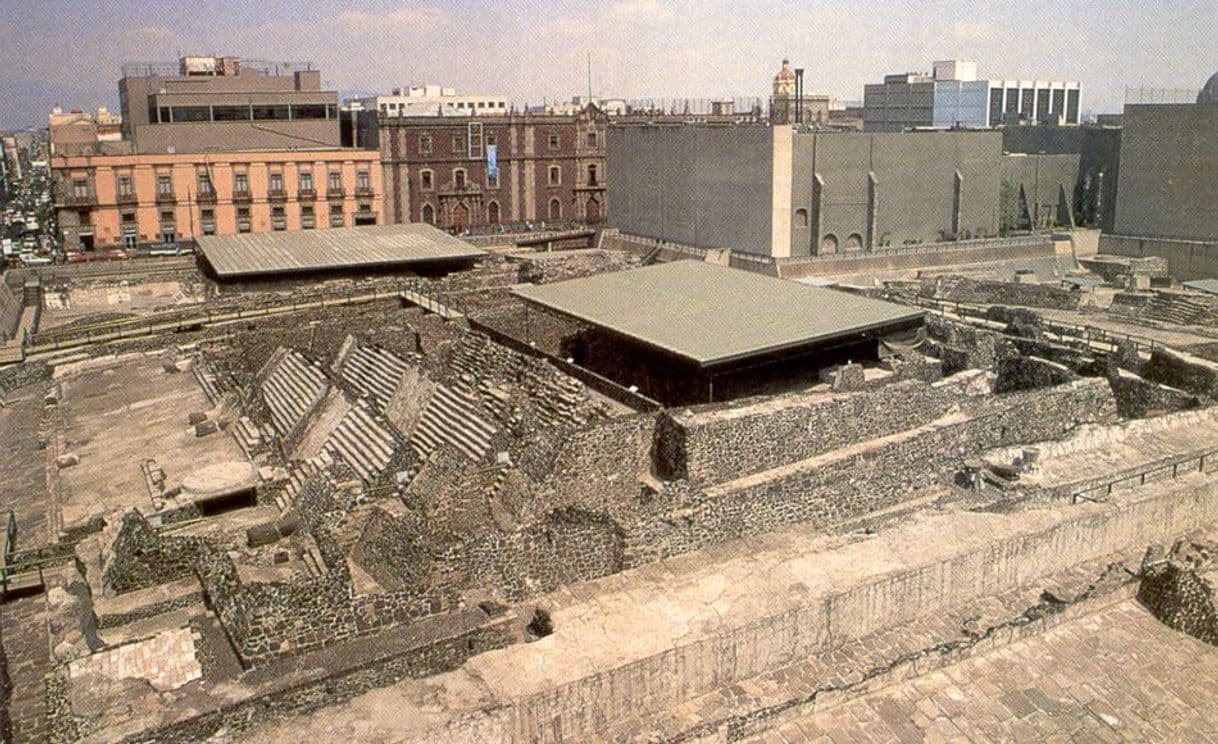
(1138, 397)
(1029, 373)
(1185, 371)
(141, 557)
(1179, 589)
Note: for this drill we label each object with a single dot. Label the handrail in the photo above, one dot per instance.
(1083, 494)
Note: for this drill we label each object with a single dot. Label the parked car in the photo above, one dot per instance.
(115, 254)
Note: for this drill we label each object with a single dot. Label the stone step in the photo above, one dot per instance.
(452, 416)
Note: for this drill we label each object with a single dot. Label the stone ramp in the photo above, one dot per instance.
(646, 640)
(292, 388)
(1114, 675)
(452, 416)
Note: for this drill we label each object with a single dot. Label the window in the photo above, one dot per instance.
(124, 185)
(278, 219)
(426, 180)
(492, 213)
(429, 214)
(205, 184)
(336, 181)
(306, 217)
(306, 180)
(336, 215)
(241, 183)
(492, 140)
(555, 210)
(458, 144)
(492, 179)
(80, 188)
(591, 139)
(208, 218)
(275, 183)
(166, 215)
(243, 213)
(164, 185)
(554, 142)
(425, 144)
(363, 180)
(555, 175)
(276, 113)
(190, 113)
(128, 218)
(801, 218)
(230, 113)
(592, 175)
(459, 179)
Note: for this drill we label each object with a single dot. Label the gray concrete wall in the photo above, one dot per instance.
(915, 176)
(1042, 178)
(1186, 259)
(708, 187)
(1168, 184)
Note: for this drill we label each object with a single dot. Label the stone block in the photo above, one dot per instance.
(67, 461)
(206, 428)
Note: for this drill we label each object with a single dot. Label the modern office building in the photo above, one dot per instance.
(473, 171)
(433, 100)
(952, 96)
(781, 192)
(147, 198)
(226, 103)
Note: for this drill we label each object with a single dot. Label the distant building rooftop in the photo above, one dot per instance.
(1209, 286)
(711, 314)
(337, 249)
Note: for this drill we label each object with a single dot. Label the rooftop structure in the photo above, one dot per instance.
(710, 314)
(377, 247)
(953, 96)
(433, 100)
(226, 103)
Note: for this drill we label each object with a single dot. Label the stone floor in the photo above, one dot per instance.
(167, 660)
(23, 487)
(29, 659)
(1116, 675)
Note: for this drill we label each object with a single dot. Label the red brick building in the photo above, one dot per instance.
(463, 172)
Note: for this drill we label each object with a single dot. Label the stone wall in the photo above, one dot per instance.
(597, 467)
(19, 375)
(710, 444)
(11, 306)
(1138, 397)
(545, 268)
(386, 549)
(961, 346)
(960, 289)
(1178, 588)
(1030, 372)
(828, 489)
(140, 557)
(1183, 370)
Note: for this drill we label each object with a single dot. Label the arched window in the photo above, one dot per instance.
(591, 175)
(828, 244)
(592, 211)
(555, 175)
(492, 213)
(429, 214)
(555, 209)
(854, 242)
(426, 180)
(801, 218)
(459, 179)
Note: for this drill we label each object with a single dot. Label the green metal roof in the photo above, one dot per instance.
(372, 246)
(712, 314)
(1202, 285)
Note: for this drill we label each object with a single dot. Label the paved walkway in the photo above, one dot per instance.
(23, 622)
(1116, 675)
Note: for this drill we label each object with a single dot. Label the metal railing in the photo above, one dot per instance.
(419, 293)
(1183, 466)
(913, 249)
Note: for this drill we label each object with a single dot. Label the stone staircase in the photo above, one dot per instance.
(374, 373)
(292, 389)
(1178, 309)
(363, 442)
(249, 435)
(300, 474)
(207, 380)
(452, 415)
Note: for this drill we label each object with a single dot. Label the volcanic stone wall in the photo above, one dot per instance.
(1179, 589)
(598, 467)
(1140, 398)
(960, 289)
(141, 557)
(713, 444)
(824, 490)
(1182, 370)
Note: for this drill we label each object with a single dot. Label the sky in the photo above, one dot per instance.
(71, 52)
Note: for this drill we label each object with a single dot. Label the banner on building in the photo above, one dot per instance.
(492, 162)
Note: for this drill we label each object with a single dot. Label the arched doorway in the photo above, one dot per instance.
(460, 218)
(555, 210)
(854, 242)
(828, 244)
(593, 210)
(429, 214)
(492, 213)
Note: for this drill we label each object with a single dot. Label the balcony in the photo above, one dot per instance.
(243, 196)
(206, 197)
(307, 222)
(363, 191)
(306, 195)
(277, 195)
(338, 193)
(279, 223)
(126, 198)
(166, 197)
(80, 200)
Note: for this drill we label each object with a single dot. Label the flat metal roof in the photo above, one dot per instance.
(1202, 285)
(299, 251)
(711, 314)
